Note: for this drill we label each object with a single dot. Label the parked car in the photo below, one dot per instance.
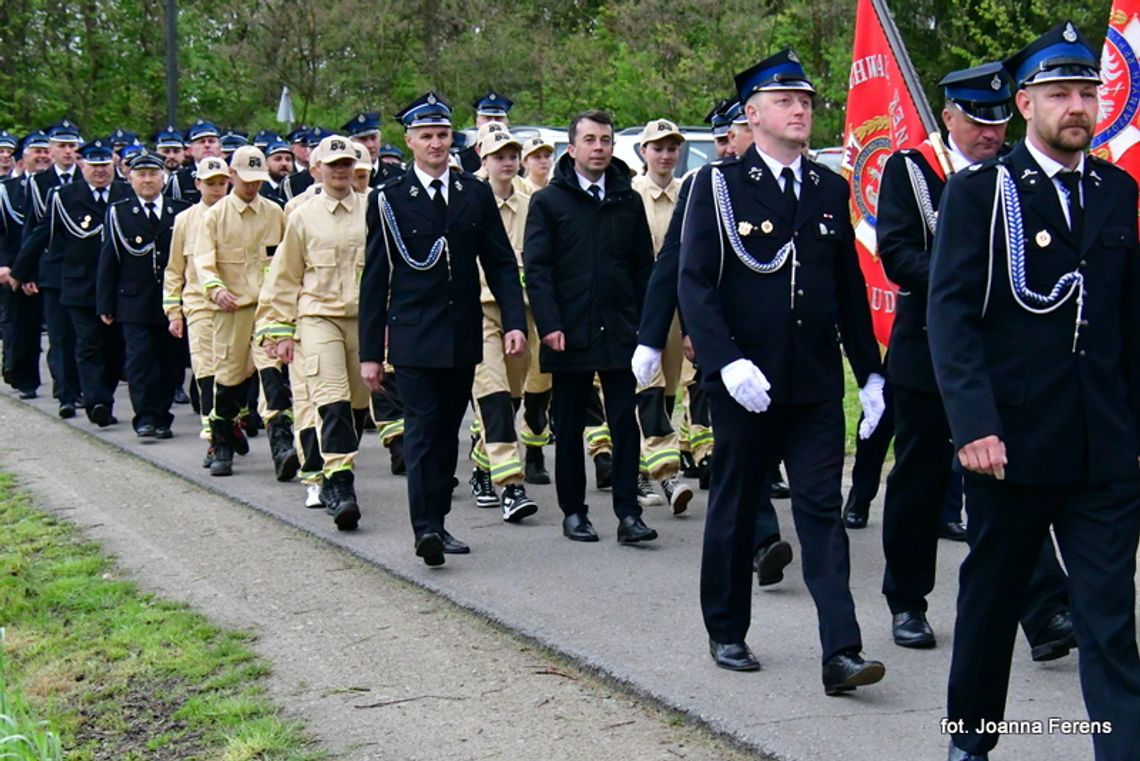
(829, 157)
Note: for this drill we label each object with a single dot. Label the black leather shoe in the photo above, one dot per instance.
(429, 546)
(734, 656)
(854, 512)
(100, 415)
(144, 431)
(957, 754)
(770, 562)
(955, 531)
(180, 396)
(911, 629)
(846, 671)
(1057, 639)
(163, 432)
(28, 393)
(577, 528)
(604, 470)
(452, 546)
(632, 530)
(67, 411)
(780, 488)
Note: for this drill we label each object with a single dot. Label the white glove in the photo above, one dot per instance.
(746, 384)
(646, 363)
(871, 398)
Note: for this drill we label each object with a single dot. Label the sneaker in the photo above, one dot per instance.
(313, 496)
(646, 496)
(688, 465)
(516, 504)
(482, 489)
(677, 494)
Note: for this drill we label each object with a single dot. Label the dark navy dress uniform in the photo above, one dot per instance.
(132, 261)
(1060, 386)
(431, 318)
(793, 334)
(21, 364)
(924, 452)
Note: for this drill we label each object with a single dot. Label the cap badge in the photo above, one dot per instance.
(360, 118)
(1070, 34)
(254, 162)
(995, 83)
(431, 98)
(664, 126)
(767, 227)
(793, 57)
(337, 145)
(745, 228)
(1043, 238)
(492, 96)
(755, 173)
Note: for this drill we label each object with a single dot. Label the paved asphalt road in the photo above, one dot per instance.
(633, 613)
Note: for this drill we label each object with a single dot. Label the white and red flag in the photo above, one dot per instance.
(1118, 129)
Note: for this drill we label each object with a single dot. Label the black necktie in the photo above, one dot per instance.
(438, 199)
(149, 206)
(789, 187)
(596, 192)
(100, 196)
(65, 178)
(1071, 181)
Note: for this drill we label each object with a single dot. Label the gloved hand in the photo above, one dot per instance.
(646, 363)
(746, 384)
(871, 398)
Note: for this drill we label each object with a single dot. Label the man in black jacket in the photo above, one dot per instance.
(429, 231)
(769, 286)
(977, 111)
(1034, 323)
(588, 256)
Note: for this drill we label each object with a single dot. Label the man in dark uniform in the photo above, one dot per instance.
(279, 164)
(8, 146)
(25, 310)
(128, 292)
(1034, 324)
(491, 107)
(364, 128)
(977, 110)
(428, 233)
(298, 144)
(769, 286)
(73, 225)
(169, 144)
(40, 271)
(202, 140)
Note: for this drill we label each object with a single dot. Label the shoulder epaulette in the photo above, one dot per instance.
(725, 161)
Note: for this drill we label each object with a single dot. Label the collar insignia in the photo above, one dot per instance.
(814, 177)
(459, 186)
(755, 173)
(414, 191)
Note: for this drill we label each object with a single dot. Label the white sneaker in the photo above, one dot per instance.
(646, 496)
(677, 493)
(313, 496)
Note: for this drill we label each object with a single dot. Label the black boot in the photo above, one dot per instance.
(689, 465)
(536, 472)
(285, 460)
(396, 451)
(703, 473)
(222, 440)
(855, 512)
(341, 502)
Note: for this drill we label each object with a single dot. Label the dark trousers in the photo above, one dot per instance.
(61, 348)
(434, 401)
(809, 439)
(98, 356)
(154, 365)
(22, 340)
(871, 453)
(1097, 528)
(570, 397)
(916, 489)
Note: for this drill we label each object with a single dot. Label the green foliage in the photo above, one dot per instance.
(102, 63)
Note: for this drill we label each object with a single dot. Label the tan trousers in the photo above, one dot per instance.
(330, 362)
(199, 328)
(660, 450)
(696, 438)
(237, 356)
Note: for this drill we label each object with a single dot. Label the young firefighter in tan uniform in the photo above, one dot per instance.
(239, 236)
(183, 298)
(660, 450)
(309, 312)
(538, 160)
(499, 379)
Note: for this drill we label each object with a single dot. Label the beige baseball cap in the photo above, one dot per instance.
(212, 166)
(336, 147)
(497, 140)
(659, 129)
(536, 143)
(487, 129)
(248, 163)
(363, 157)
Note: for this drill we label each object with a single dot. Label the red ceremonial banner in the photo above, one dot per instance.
(882, 117)
(1118, 129)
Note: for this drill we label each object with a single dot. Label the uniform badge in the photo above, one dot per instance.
(755, 173)
(413, 191)
(138, 239)
(995, 83)
(1094, 177)
(813, 176)
(1070, 34)
(1043, 238)
(86, 222)
(745, 228)
(974, 167)
(459, 185)
(767, 227)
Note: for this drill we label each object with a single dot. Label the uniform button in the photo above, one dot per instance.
(1082, 352)
(450, 302)
(800, 292)
(799, 322)
(1084, 322)
(602, 329)
(1084, 263)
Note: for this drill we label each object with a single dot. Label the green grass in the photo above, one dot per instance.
(116, 673)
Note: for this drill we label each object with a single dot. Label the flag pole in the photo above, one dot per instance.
(913, 86)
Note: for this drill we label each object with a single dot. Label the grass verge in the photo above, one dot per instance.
(116, 673)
